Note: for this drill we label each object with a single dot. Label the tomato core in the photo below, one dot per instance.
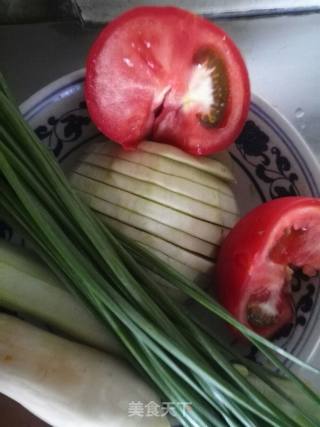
(258, 317)
(215, 68)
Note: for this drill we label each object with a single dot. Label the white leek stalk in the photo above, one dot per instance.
(28, 287)
(68, 384)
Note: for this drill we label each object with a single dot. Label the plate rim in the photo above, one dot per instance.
(303, 154)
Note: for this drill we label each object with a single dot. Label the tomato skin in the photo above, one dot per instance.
(254, 258)
(125, 86)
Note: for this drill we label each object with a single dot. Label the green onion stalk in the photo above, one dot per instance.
(111, 274)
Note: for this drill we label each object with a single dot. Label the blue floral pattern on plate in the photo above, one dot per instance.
(266, 158)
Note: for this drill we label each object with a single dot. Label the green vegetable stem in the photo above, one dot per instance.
(107, 271)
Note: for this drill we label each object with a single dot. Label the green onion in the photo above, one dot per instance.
(111, 274)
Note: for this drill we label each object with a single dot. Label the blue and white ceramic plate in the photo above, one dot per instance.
(270, 160)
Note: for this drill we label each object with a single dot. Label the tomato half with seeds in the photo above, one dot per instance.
(257, 258)
(165, 74)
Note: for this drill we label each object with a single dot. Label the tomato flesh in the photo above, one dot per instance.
(255, 262)
(165, 74)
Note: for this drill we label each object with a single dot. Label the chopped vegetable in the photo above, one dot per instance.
(214, 177)
(181, 360)
(68, 384)
(135, 197)
(170, 234)
(157, 194)
(202, 265)
(167, 74)
(97, 193)
(184, 186)
(255, 263)
(206, 164)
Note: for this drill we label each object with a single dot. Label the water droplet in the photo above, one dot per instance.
(299, 113)
(302, 126)
(128, 62)
(224, 38)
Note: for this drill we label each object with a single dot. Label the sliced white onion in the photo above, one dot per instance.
(169, 234)
(180, 207)
(184, 269)
(161, 164)
(97, 193)
(196, 262)
(157, 194)
(176, 184)
(206, 164)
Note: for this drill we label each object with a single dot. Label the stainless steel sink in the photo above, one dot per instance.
(282, 54)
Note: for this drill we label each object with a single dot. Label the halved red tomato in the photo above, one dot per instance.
(165, 74)
(255, 262)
